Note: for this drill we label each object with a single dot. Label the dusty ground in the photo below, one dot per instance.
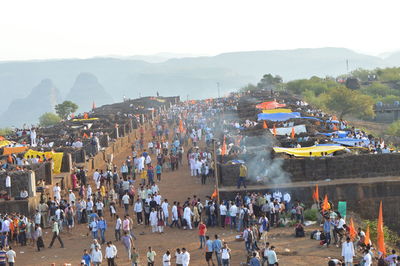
(175, 186)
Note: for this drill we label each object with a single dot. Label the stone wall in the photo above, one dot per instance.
(362, 198)
(19, 180)
(321, 168)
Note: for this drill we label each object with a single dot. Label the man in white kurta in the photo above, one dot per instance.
(187, 215)
(153, 221)
(348, 252)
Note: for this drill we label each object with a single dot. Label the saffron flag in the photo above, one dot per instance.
(214, 194)
(380, 235)
(325, 205)
(353, 231)
(265, 125)
(274, 130)
(180, 126)
(223, 150)
(367, 239)
(316, 193)
(293, 133)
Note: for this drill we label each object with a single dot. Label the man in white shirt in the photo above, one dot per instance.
(164, 207)
(138, 209)
(187, 215)
(71, 197)
(185, 257)
(233, 210)
(348, 252)
(174, 212)
(222, 212)
(111, 253)
(125, 201)
(94, 228)
(118, 227)
(96, 256)
(8, 185)
(11, 255)
(57, 192)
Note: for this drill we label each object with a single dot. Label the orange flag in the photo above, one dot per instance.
(85, 136)
(85, 116)
(214, 194)
(380, 238)
(325, 205)
(316, 193)
(274, 130)
(334, 127)
(353, 231)
(293, 133)
(367, 238)
(265, 125)
(223, 150)
(181, 126)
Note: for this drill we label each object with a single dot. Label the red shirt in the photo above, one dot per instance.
(202, 230)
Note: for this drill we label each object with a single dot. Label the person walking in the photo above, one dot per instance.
(111, 254)
(271, 256)
(178, 257)
(97, 256)
(167, 259)
(138, 209)
(202, 234)
(102, 225)
(127, 241)
(217, 247)
(226, 255)
(134, 257)
(348, 252)
(56, 234)
(151, 256)
(11, 255)
(209, 251)
(185, 257)
(118, 227)
(3, 256)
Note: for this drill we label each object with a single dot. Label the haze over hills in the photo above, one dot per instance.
(109, 79)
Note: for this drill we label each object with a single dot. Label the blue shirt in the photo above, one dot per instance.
(327, 226)
(86, 258)
(255, 262)
(102, 224)
(217, 245)
(209, 245)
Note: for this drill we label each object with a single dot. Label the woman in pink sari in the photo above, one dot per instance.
(74, 181)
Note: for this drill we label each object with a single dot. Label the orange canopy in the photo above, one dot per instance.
(270, 105)
(12, 150)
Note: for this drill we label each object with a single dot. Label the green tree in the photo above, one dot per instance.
(248, 87)
(269, 82)
(5, 131)
(49, 119)
(66, 108)
(345, 101)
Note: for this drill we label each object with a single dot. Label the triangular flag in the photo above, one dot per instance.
(367, 239)
(265, 126)
(325, 205)
(180, 126)
(380, 234)
(85, 136)
(85, 116)
(274, 130)
(353, 231)
(334, 127)
(293, 133)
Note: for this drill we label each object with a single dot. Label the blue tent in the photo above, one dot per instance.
(311, 117)
(350, 142)
(278, 116)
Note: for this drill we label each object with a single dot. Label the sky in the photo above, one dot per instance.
(46, 29)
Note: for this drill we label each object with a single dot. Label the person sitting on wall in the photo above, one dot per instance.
(23, 194)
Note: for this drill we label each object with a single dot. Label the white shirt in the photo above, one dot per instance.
(125, 199)
(157, 198)
(233, 210)
(138, 207)
(118, 224)
(178, 258)
(11, 255)
(99, 205)
(97, 256)
(111, 252)
(8, 181)
(223, 209)
(164, 207)
(57, 191)
(185, 258)
(368, 259)
(175, 214)
(89, 205)
(225, 254)
(72, 198)
(166, 260)
(286, 197)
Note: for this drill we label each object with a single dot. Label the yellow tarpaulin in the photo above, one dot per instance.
(309, 151)
(4, 143)
(83, 119)
(56, 157)
(274, 111)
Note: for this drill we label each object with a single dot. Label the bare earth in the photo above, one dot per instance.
(175, 186)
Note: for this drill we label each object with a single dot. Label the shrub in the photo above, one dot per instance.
(311, 215)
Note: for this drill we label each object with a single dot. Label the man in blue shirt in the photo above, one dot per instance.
(327, 230)
(86, 257)
(217, 246)
(254, 260)
(102, 225)
(209, 251)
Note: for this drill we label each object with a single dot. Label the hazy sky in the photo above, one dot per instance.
(38, 29)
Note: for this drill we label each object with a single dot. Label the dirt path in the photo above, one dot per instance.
(175, 186)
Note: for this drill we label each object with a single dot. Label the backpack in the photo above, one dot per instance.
(250, 236)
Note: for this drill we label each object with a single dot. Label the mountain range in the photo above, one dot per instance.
(108, 79)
